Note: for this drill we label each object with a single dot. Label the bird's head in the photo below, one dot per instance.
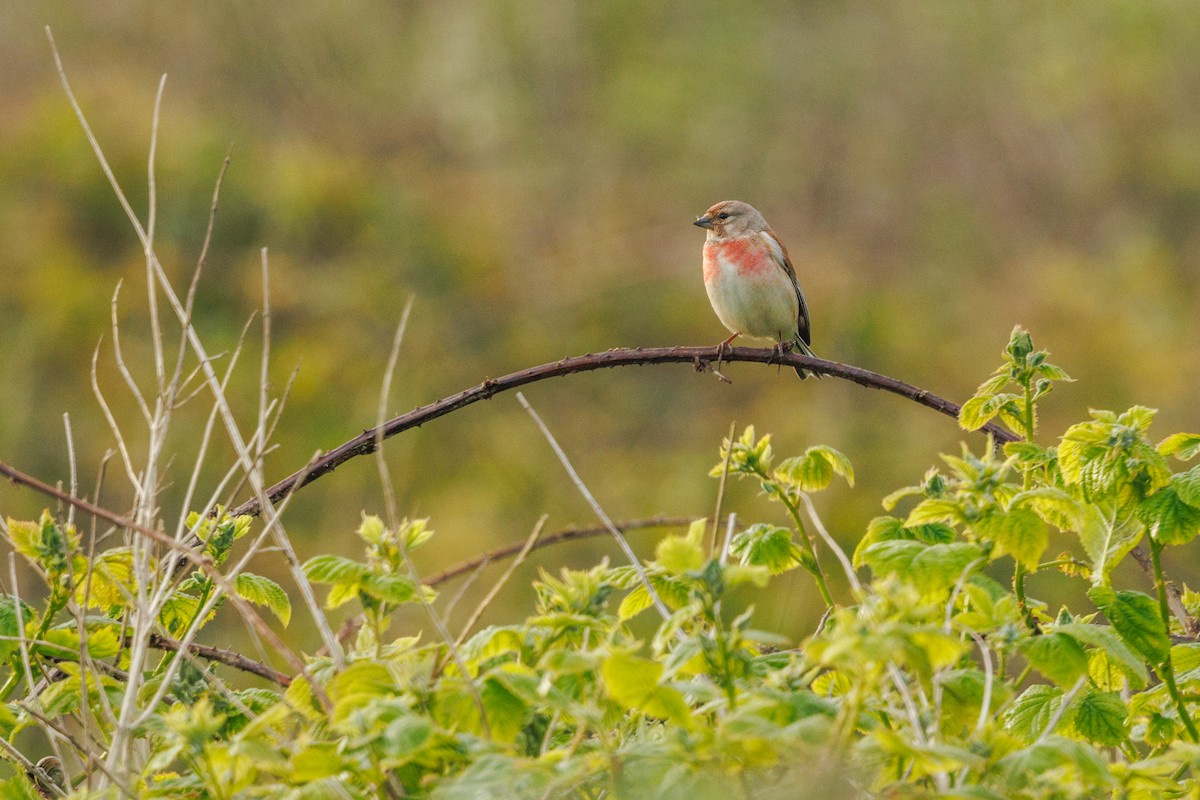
(730, 219)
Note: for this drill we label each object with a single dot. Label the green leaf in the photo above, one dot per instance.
(1135, 617)
(110, 582)
(19, 787)
(680, 554)
(1053, 505)
(1185, 657)
(1184, 446)
(768, 546)
(1052, 756)
(395, 589)
(1187, 486)
(1107, 535)
(264, 592)
(1169, 519)
(633, 682)
(815, 469)
(1029, 714)
(1101, 718)
(1057, 656)
(335, 570)
(1106, 639)
(934, 510)
(358, 686)
(507, 711)
(930, 568)
(889, 503)
(1019, 533)
(1054, 373)
(10, 627)
(372, 530)
(978, 411)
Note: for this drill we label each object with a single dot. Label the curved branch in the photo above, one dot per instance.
(701, 358)
(566, 535)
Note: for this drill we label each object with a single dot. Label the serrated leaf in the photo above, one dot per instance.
(1187, 486)
(1053, 505)
(264, 592)
(1019, 533)
(1054, 372)
(889, 502)
(1136, 618)
(371, 530)
(334, 570)
(680, 554)
(815, 469)
(1029, 714)
(1107, 535)
(1053, 754)
(1184, 446)
(977, 412)
(1101, 718)
(1107, 640)
(633, 682)
(1169, 519)
(934, 510)
(111, 581)
(634, 603)
(395, 589)
(768, 546)
(1057, 656)
(930, 568)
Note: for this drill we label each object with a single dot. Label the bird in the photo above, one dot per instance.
(750, 280)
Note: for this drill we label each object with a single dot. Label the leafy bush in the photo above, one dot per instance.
(939, 676)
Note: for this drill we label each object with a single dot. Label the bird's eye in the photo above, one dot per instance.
(723, 215)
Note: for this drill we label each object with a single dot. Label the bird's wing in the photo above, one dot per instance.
(780, 254)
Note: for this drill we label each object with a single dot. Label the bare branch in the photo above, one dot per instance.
(568, 535)
(702, 358)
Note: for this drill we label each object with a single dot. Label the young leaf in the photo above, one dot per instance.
(1105, 639)
(1019, 533)
(1108, 534)
(1168, 518)
(1101, 718)
(1184, 446)
(1057, 656)
(930, 568)
(680, 554)
(1031, 712)
(814, 470)
(1135, 617)
(264, 592)
(335, 570)
(978, 411)
(767, 545)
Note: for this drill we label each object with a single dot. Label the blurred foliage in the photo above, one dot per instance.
(528, 171)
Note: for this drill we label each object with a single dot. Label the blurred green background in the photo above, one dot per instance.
(528, 172)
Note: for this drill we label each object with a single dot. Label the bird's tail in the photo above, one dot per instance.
(803, 348)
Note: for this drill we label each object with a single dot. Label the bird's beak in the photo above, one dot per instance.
(704, 222)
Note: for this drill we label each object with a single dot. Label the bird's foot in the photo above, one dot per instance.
(724, 349)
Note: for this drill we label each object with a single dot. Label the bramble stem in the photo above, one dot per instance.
(1166, 668)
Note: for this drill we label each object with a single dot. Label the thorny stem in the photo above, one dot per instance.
(699, 357)
(1019, 572)
(804, 541)
(1166, 668)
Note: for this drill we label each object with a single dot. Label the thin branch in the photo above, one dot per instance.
(202, 562)
(701, 358)
(568, 535)
(526, 548)
(622, 542)
(226, 657)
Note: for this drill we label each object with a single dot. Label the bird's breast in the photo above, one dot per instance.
(744, 256)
